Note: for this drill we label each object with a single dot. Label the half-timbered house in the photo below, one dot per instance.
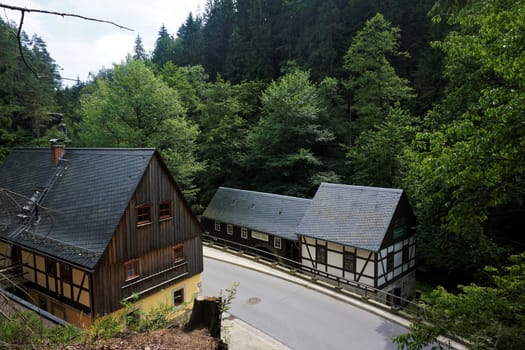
(362, 234)
(264, 221)
(89, 228)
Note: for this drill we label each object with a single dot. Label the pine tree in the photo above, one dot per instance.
(164, 48)
(138, 50)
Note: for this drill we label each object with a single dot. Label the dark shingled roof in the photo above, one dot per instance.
(270, 213)
(356, 216)
(88, 193)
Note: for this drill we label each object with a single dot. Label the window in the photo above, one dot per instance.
(390, 262)
(132, 269)
(65, 273)
(143, 215)
(406, 253)
(320, 254)
(165, 210)
(277, 242)
(51, 267)
(244, 233)
(349, 261)
(178, 297)
(178, 253)
(217, 226)
(229, 229)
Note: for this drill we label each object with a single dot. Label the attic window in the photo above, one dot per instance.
(143, 215)
(165, 210)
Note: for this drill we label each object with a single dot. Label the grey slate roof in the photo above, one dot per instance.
(83, 207)
(270, 213)
(351, 215)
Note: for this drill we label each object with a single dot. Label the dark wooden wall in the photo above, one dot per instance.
(152, 244)
(289, 249)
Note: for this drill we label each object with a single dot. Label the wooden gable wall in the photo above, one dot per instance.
(152, 244)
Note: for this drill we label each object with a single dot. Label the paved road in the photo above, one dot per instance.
(297, 316)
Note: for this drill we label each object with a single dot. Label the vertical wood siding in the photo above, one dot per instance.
(152, 244)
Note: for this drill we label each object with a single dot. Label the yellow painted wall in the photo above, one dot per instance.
(72, 315)
(165, 296)
(5, 253)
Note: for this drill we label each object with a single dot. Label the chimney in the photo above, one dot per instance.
(57, 150)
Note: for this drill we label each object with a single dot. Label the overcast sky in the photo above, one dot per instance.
(80, 47)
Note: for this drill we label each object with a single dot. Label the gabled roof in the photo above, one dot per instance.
(356, 216)
(270, 213)
(88, 193)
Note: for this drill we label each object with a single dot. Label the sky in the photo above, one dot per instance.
(81, 47)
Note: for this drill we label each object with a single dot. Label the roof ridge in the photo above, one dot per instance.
(275, 195)
(385, 189)
(89, 148)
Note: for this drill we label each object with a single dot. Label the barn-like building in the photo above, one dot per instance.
(88, 228)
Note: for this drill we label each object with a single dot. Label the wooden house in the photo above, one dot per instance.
(89, 228)
(264, 221)
(362, 234)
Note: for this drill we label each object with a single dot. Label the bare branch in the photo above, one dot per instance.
(23, 10)
(62, 14)
(18, 34)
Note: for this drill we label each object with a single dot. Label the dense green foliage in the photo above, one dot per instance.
(488, 317)
(278, 96)
(136, 109)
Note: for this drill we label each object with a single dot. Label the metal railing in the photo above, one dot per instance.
(296, 268)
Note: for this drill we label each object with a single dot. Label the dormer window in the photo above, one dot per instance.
(143, 215)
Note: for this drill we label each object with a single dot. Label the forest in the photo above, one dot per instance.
(280, 95)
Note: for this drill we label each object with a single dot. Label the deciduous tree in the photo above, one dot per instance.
(137, 109)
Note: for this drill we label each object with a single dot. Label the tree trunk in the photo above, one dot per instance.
(206, 314)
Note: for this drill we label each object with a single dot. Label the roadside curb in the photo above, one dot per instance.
(239, 259)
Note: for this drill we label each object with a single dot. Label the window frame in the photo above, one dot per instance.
(244, 233)
(318, 248)
(390, 262)
(51, 267)
(217, 226)
(136, 268)
(277, 245)
(178, 294)
(406, 253)
(66, 273)
(349, 256)
(178, 258)
(169, 214)
(143, 219)
(229, 229)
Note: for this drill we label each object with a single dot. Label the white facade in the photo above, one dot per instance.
(392, 269)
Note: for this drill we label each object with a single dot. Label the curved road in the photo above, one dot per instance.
(297, 316)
